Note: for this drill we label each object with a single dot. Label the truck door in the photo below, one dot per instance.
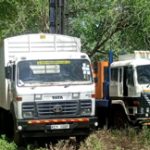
(116, 89)
(128, 82)
(120, 82)
(125, 87)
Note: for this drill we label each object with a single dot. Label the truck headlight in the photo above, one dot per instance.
(28, 114)
(85, 111)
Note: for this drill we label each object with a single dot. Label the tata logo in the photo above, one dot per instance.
(57, 109)
(57, 97)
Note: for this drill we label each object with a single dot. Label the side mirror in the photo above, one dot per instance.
(8, 72)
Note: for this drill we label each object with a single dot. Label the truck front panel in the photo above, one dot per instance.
(54, 95)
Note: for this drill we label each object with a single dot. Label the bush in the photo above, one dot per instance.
(5, 145)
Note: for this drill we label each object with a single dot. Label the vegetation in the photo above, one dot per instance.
(121, 25)
(128, 139)
(20, 17)
(5, 145)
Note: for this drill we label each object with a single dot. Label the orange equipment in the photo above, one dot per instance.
(101, 73)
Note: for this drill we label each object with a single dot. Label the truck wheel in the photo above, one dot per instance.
(81, 138)
(120, 120)
(9, 126)
(17, 137)
(2, 122)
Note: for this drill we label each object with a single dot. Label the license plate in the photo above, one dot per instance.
(60, 126)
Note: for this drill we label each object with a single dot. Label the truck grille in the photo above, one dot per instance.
(57, 109)
(144, 107)
(145, 100)
(28, 106)
(50, 109)
(85, 104)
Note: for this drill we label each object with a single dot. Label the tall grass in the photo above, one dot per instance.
(128, 139)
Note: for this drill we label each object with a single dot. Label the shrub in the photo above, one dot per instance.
(5, 145)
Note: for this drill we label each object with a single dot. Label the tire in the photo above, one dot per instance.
(17, 136)
(9, 126)
(3, 127)
(81, 138)
(120, 120)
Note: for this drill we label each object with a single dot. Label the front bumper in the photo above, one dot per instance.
(42, 128)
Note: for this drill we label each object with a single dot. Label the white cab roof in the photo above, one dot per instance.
(135, 59)
(131, 62)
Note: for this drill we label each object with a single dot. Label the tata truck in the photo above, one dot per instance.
(46, 87)
(123, 90)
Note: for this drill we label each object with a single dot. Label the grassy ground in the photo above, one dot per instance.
(128, 139)
(118, 140)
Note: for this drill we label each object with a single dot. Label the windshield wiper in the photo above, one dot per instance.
(148, 85)
(21, 83)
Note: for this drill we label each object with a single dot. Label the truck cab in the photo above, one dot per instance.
(129, 86)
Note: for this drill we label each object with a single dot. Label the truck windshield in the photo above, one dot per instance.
(143, 74)
(53, 71)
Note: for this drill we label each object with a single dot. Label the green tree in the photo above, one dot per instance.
(20, 17)
(110, 24)
(121, 25)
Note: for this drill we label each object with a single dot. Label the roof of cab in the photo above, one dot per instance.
(131, 62)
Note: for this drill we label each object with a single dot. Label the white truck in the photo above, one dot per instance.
(46, 87)
(130, 89)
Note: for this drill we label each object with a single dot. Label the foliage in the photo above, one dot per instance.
(121, 25)
(145, 136)
(111, 24)
(4, 145)
(99, 140)
(23, 17)
(117, 140)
